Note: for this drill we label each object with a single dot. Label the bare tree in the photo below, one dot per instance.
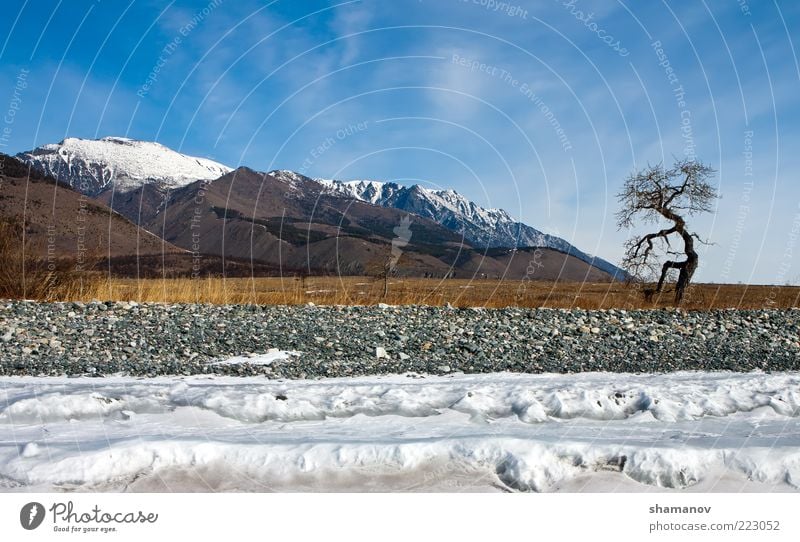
(383, 269)
(655, 195)
(386, 274)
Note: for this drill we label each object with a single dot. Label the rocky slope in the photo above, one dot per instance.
(62, 223)
(480, 227)
(292, 222)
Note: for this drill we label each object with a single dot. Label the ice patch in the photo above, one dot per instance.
(272, 356)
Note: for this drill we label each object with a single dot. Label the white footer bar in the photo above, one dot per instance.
(387, 517)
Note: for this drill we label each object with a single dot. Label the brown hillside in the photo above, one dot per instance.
(61, 223)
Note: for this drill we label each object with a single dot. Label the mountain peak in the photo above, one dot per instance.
(94, 166)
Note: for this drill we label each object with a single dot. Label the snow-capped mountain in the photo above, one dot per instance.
(481, 227)
(93, 166)
(143, 171)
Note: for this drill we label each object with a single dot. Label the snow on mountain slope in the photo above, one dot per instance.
(94, 166)
(481, 227)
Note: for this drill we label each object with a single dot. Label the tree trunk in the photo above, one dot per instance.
(689, 266)
(664, 270)
(685, 276)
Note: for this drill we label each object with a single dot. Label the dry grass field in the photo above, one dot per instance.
(457, 292)
(24, 275)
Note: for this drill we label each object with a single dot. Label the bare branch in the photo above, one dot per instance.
(656, 194)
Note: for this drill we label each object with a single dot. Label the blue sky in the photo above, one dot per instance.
(541, 108)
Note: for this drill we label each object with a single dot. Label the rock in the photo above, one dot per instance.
(159, 339)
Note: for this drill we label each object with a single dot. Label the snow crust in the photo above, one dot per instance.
(486, 432)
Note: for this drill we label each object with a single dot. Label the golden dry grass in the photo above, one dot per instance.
(458, 292)
(23, 275)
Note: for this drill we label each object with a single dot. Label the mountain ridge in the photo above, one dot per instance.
(136, 177)
(481, 227)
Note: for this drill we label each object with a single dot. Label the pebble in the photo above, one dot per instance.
(180, 339)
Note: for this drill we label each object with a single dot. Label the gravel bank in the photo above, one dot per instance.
(155, 339)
